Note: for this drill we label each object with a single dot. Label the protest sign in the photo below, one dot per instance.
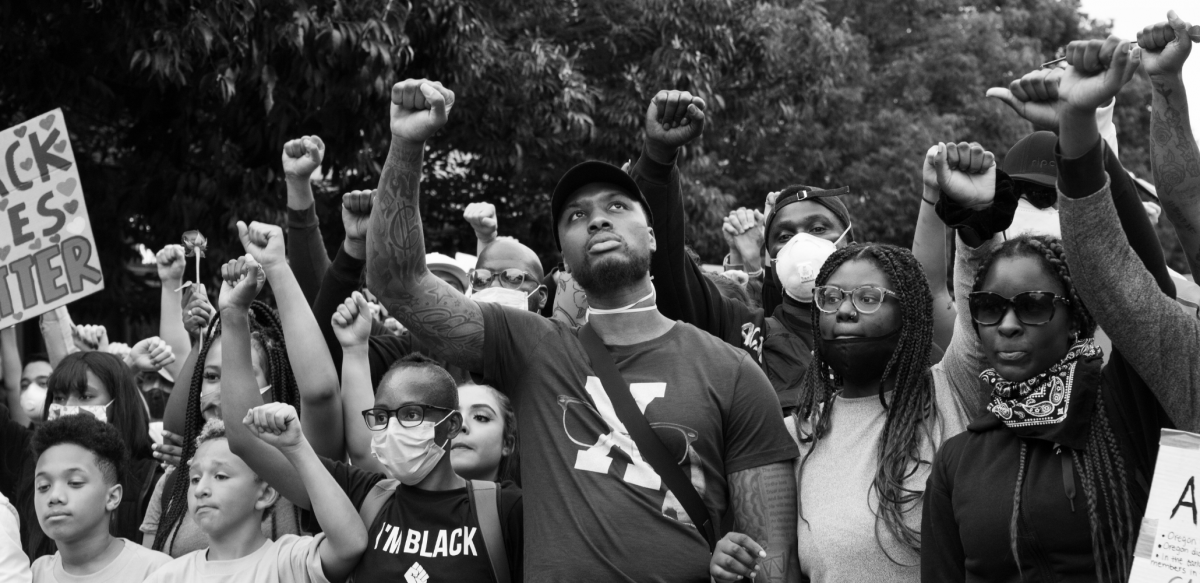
(47, 252)
(1168, 548)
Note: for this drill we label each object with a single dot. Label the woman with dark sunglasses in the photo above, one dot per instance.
(1050, 483)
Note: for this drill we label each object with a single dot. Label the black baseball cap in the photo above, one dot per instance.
(591, 172)
(1031, 159)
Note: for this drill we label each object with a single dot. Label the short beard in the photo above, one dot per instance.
(612, 274)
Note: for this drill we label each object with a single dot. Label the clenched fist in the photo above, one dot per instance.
(171, 262)
(241, 280)
(1166, 45)
(419, 109)
(482, 218)
(1034, 97)
(264, 242)
(301, 157)
(965, 172)
(673, 119)
(1097, 70)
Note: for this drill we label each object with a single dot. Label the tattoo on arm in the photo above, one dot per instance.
(1176, 163)
(763, 501)
(450, 324)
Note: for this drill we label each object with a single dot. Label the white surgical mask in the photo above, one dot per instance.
(513, 298)
(799, 262)
(630, 309)
(408, 453)
(98, 411)
(1033, 221)
(33, 400)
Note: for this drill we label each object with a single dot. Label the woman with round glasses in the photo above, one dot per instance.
(1050, 483)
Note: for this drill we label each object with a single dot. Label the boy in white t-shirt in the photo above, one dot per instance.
(14, 564)
(227, 501)
(76, 491)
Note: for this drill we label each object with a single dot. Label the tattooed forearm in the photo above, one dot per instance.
(450, 325)
(1176, 162)
(763, 501)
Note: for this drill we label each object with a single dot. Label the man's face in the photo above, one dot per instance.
(35, 373)
(504, 258)
(606, 241)
(806, 216)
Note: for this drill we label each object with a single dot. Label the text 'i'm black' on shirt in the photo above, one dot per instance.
(426, 536)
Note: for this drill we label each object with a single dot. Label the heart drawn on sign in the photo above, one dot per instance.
(60, 146)
(20, 131)
(19, 316)
(47, 122)
(4, 252)
(3, 203)
(71, 206)
(76, 226)
(37, 244)
(27, 164)
(66, 187)
(55, 238)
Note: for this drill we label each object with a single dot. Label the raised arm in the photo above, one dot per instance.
(10, 359)
(352, 324)
(241, 281)
(345, 273)
(448, 323)
(1173, 151)
(278, 426)
(305, 248)
(198, 312)
(929, 247)
(307, 352)
(171, 263)
(482, 218)
(763, 501)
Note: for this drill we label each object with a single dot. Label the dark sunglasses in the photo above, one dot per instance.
(510, 278)
(1033, 308)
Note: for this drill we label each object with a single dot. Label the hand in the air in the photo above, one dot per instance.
(674, 118)
(241, 280)
(356, 213)
(171, 261)
(89, 337)
(263, 242)
(735, 557)
(276, 424)
(170, 451)
(1034, 97)
(482, 218)
(352, 321)
(1097, 69)
(965, 172)
(1166, 45)
(302, 156)
(419, 109)
(150, 354)
(743, 230)
(197, 310)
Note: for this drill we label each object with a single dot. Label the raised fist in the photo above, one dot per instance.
(482, 217)
(356, 213)
(277, 424)
(674, 118)
(419, 109)
(1097, 70)
(241, 280)
(743, 230)
(171, 262)
(150, 354)
(352, 321)
(1034, 97)
(89, 337)
(1165, 46)
(264, 242)
(197, 310)
(965, 172)
(301, 157)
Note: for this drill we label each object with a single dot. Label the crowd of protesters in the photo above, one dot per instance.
(823, 409)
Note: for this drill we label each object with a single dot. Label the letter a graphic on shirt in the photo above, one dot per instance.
(596, 458)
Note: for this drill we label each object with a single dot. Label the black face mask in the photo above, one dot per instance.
(860, 360)
(156, 400)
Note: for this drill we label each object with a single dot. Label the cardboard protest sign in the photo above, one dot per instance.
(47, 252)
(1168, 547)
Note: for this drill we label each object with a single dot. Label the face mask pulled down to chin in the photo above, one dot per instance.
(860, 360)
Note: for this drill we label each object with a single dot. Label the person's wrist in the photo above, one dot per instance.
(356, 348)
(1168, 76)
(1077, 114)
(485, 237)
(406, 142)
(292, 179)
(931, 194)
(296, 451)
(170, 283)
(234, 311)
(355, 247)
(660, 152)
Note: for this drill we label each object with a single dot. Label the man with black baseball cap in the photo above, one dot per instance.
(598, 509)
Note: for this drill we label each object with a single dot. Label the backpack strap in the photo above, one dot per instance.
(485, 503)
(373, 503)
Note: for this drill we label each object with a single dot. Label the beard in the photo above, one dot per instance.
(612, 273)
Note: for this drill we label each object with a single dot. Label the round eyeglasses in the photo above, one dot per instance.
(511, 278)
(867, 299)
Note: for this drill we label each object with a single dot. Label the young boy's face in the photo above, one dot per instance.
(72, 496)
(223, 491)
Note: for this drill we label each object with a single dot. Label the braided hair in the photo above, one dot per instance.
(266, 331)
(1100, 465)
(911, 411)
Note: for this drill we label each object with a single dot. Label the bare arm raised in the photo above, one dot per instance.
(449, 324)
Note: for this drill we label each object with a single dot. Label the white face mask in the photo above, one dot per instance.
(1033, 221)
(408, 453)
(799, 262)
(98, 411)
(33, 400)
(630, 309)
(513, 298)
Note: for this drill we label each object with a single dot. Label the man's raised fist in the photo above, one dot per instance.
(674, 118)
(482, 217)
(302, 156)
(1097, 69)
(1166, 45)
(419, 109)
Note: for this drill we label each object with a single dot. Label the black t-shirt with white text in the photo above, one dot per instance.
(422, 536)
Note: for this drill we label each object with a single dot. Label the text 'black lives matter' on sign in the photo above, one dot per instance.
(47, 252)
(1168, 547)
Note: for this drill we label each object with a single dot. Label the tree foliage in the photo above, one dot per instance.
(178, 109)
